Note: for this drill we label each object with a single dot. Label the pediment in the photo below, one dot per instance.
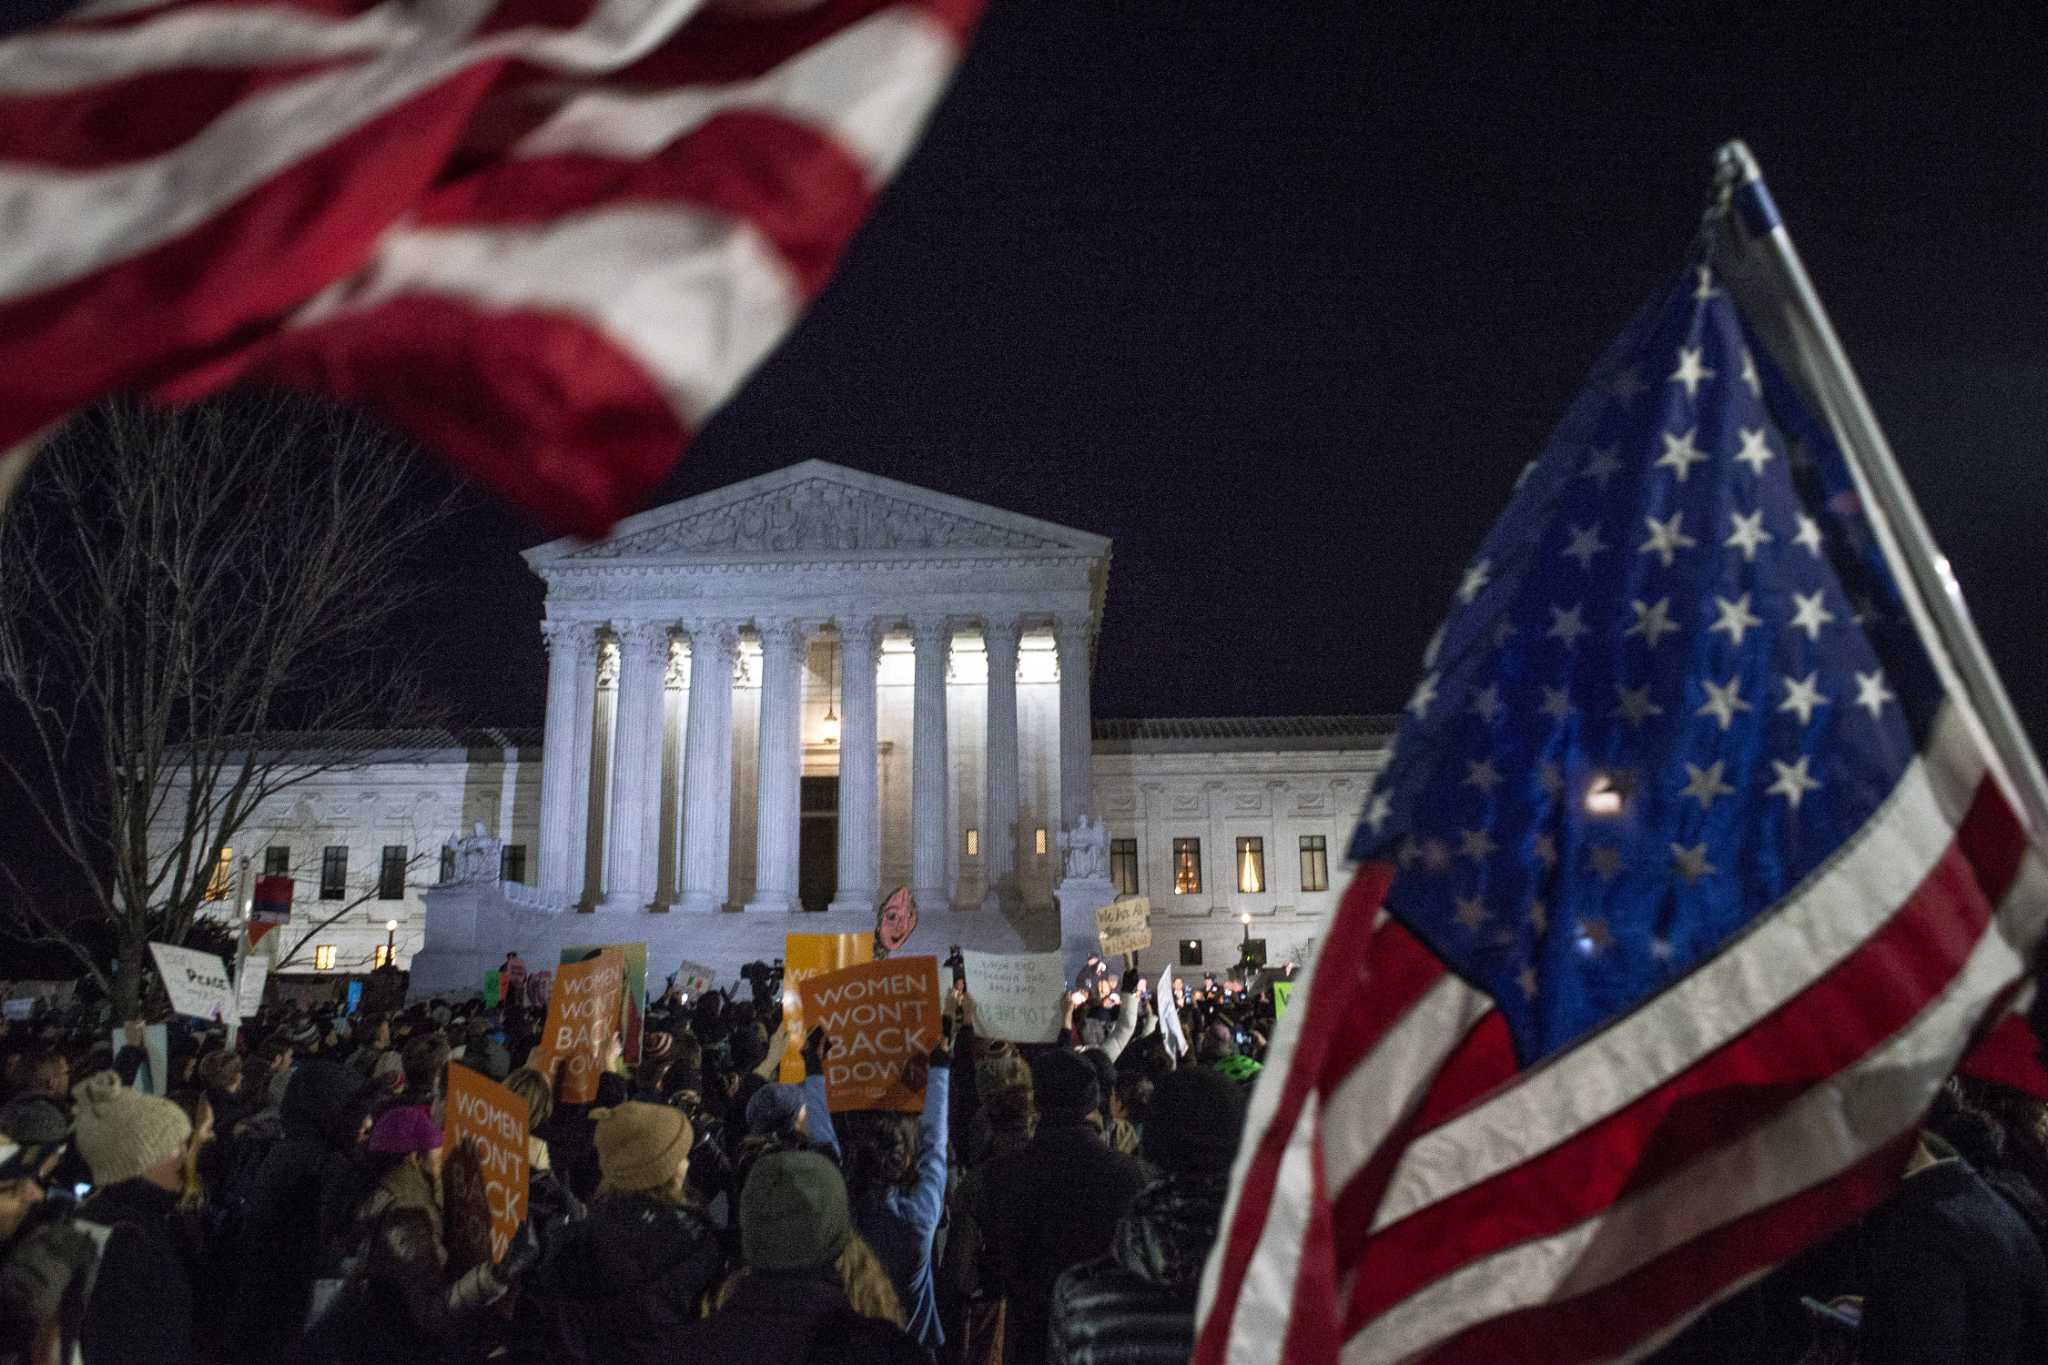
(817, 510)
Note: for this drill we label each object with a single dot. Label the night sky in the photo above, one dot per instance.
(1281, 297)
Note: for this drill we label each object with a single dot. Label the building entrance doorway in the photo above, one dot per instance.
(817, 849)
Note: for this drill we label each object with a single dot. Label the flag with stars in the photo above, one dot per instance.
(1689, 879)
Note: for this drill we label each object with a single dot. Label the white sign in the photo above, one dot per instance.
(197, 982)
(1017, 996)
(249, 990)
(1124, 925)
(694, 978)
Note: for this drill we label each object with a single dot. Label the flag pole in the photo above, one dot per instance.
(1870, 455)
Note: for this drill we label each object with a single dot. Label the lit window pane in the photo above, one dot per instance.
(222, 884)
(1315, 863)
(1187, 867)
(1123, 866)
(974, 843)
(323, 958)
(1251, 866)
(1038, 841)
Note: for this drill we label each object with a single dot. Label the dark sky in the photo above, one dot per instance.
(1281, 296)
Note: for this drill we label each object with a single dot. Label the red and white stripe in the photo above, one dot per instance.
(548, 237)
(1586, 1210)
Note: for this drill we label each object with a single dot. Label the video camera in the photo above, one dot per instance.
(765, 979)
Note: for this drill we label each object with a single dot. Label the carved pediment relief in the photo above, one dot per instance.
(818, 516)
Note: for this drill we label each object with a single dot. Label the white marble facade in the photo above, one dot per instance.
(852, 623)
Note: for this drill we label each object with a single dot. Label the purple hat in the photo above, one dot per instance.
(408, 1128)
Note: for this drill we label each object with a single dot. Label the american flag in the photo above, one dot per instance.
(1688, 881)
(546, 237)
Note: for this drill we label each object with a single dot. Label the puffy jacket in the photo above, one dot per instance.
(792, 1319)
(624, 1280)
(1136, 1305)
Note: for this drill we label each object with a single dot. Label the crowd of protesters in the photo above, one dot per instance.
(280, 1195)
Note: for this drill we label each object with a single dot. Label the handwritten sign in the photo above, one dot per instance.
(1016, 995)
(583, 1014)
(1124, 926)
(803, 957)
(694, 979)
(879, 1015)
(197, 982)
(487, 1168)
(249, 987)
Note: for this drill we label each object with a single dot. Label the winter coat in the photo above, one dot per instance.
(140, 1308)
(1136, 1306)
(1050, 1206)
(42, 1284)
(620, 1283)
(295, 1216)
(791, 1319)
(1953, 1275)
(900, 1224)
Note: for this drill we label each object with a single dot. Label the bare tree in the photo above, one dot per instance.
(175, 590)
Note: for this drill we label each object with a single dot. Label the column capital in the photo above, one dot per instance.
(712, 632)
(643, 638)
(578, 636)
(785, 636)
(862, 634)
(1000, 636)
(926, 631)
(1075, 628)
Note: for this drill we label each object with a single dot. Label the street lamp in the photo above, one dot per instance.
(391, 943)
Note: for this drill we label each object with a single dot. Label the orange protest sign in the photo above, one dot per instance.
(487, 1164)
(803, 957)
(583, 1014)
(879, 1016)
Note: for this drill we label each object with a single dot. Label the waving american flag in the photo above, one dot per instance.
(546, 237)
(1697, 878)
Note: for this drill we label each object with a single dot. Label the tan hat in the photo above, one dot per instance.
(641, 1146)
(121, 1132)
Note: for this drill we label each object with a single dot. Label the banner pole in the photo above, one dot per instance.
(1870, 455)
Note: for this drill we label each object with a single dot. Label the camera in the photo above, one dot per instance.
(765, 979)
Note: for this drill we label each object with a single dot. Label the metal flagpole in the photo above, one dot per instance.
(1870, 457)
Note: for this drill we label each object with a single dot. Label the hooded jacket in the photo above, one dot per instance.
(1136, 1305)
(625, 1279)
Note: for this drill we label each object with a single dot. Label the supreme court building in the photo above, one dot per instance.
(770, 704)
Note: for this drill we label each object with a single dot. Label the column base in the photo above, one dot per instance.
(931, 899)
(697, 903)
(773, 905)
(624, 902)
(857, 903)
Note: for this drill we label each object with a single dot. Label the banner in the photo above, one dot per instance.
(196, 982)
(633, 1000)
(878, 1015)
(1018, 997)
(694, 979)
(803, 957)
(249, 986)
(272, 903)
(583, 1014)
(1124, 926)
(487, 1182)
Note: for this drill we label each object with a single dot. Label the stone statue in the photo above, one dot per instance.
(1087, 848)
(472, 857)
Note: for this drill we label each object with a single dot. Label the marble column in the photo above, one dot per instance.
(999, 840)
(932, 636)
(860, 820)
(648, 741)
(781, 762)
(1077, 740)
(707, 766)
(643, 659)
(586, 646)
(558, 824)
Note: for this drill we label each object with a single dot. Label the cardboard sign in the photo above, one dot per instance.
(197, 982)
(879, 1016)
(803, 957)
(249, 986)
(1124, 926)
(1016, 995)
(583, 1014)
(633, 999)
(1283, 992)
(694, 979)
(487, 1199)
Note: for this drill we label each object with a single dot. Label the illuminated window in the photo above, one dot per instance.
(391, 874)
(1187, 867)
(1315, 863)
(973, 843)
(277, 861)
(1038, 841)
(382, 956)
(1251, 865)
(1123, 866)
(323, 957)
(334, 872)
(221, 884)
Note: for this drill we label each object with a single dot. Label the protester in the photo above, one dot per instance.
(897, 1177)
(809, 1290)
(140, 1306)
(42, 1254)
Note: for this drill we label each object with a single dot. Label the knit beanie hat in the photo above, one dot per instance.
(793, 1213)
(639, 1146)
(774, 1107)
(121, 1132)
(1065, 1084)
(1196, 1118)
(408, 1128)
